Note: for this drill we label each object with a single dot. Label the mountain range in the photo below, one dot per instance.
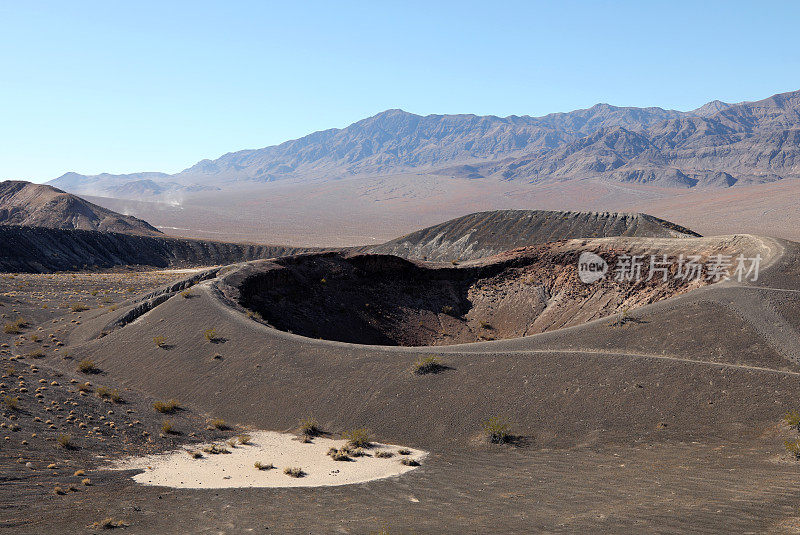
(718, 145)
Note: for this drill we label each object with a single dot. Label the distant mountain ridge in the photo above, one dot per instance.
(38, 205)
(716, 145)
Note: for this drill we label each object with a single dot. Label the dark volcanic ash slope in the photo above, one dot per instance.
(487, 233)
(42, 250)
(38, 205)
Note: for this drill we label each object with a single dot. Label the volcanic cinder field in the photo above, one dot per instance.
(353, 391)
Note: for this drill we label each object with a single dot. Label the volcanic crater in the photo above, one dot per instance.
(387, 300)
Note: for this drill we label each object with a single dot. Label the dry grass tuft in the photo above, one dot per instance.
(88, 366)
(497, 430)
(358, 438)
(310, 427)
(293, 472)
(167, 407)
(427, 365)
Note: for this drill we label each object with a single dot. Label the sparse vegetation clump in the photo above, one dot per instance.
(408, 461)
(793, 447)
(293, 472)
(88, 366)
(309, 427)
(194, 454)
(160, 341)
(65, 441)
(167, 428)
(427, 365)
(78, 307)
(447, 309)
(219, 423)
(358, 438)
(244, 439)
(262, 466)
(216, 449)
(109, 523)
(186, 294)
(108, 393)
(15, 327)
(253, 315)
(497, 430)
(792, 419)
(340, 454)
(383, 454)
(11, 403)
(167, 407)
(404, 451)
(210, 335)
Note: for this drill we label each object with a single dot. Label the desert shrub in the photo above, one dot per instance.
(11, 403)
(109, 523)
(382, 454)
(261, 466)
(252, 314)
(341, 454)
(167, 407)
(59, 490)
(86, 482)
(793, 448)
(408, 461)
(87, 366)
(186, 294)
(293, 472)
(792, 418)
(244, 439)
(194, 454)
(219, 423)
(112, 394)
(427, 365)
(486, 325)
(497, 430)
(216, 449)
(210, 335)
(160, 341)
(35, 355)
(358, 438)
(65, 441)
(447, 309)
(79, 473)
(78, 307)
(85, 387)
(167, 427)
(309, 427)
(15, 327)
(33, 337)
(404, 451)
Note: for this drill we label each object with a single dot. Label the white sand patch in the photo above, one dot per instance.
(178, 469)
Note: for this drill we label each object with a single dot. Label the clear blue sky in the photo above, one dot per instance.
(156, 86)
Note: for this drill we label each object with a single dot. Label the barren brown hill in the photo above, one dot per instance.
(487, 233)
(38, 205)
